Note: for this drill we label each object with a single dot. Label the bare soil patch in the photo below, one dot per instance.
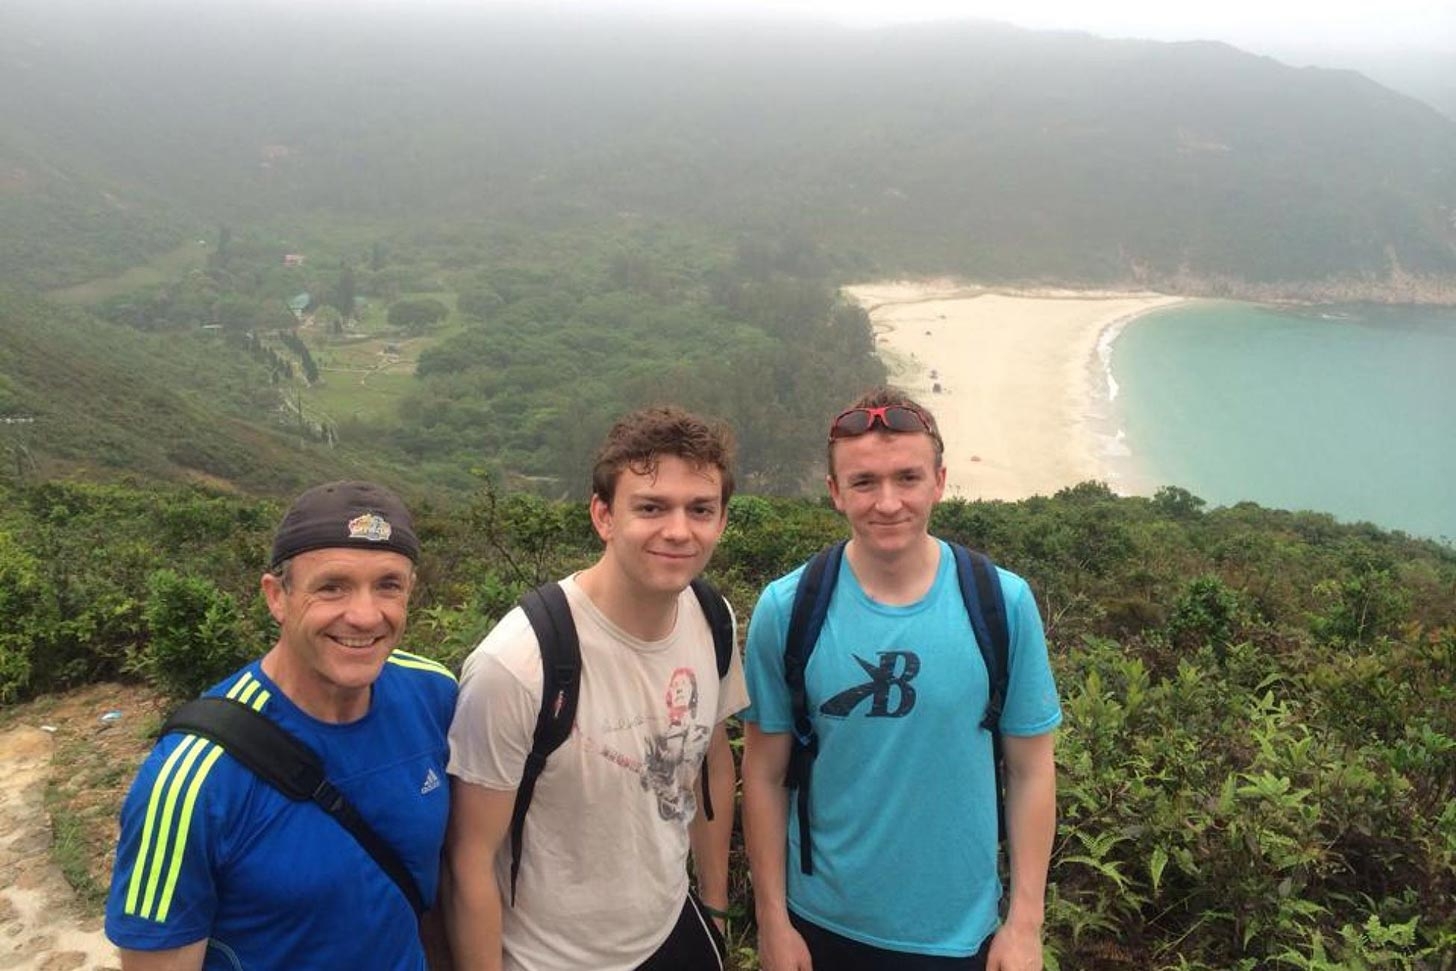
(66, 769)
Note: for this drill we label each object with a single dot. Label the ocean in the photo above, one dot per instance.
(1344, 410)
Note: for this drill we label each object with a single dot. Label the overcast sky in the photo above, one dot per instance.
(1429, 24)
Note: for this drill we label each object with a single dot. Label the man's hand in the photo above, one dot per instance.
(1016, 947)
(781, 948)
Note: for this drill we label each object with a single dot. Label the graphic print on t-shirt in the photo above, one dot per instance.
(674, 754)
(890, 679)
(672, 745)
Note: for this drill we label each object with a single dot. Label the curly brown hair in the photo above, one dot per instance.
(639, 439)
(886, 396)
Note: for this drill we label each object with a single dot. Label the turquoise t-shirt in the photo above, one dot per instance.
(903, 803)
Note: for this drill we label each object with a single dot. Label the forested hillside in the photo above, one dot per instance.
(91, 399)
(985, 150)
(1259, 746)
(428, 356)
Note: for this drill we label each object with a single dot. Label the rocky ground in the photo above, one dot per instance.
(64, 769)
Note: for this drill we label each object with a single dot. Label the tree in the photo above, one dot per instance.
(479, 301)
(236, 313)
(417, 314)
(310, 369)
(329, 318)
(345, 292)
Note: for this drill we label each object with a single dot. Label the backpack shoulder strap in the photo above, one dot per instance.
(811, 606)
(255, 740)
(981, 590)
(720, 621)
(550, 616)
(278, 758)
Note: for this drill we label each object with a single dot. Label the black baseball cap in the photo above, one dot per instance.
(345, 514)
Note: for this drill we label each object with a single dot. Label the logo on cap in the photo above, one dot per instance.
(370, 526)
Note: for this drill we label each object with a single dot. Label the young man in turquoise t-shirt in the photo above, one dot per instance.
(903, 814)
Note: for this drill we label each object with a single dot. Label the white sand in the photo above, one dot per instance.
(1019, 376)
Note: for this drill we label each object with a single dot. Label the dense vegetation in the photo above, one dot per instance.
(102, 398)
(1259, 753)
(426, 355)
(993, 152)
(562, 334)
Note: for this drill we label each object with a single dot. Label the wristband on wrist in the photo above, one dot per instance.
(713, 911)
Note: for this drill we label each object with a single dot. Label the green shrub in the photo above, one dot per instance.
(197, 634)
(1359, 608)
(1206, 612)
(22, 606)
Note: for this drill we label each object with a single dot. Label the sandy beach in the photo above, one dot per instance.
(1020, 386)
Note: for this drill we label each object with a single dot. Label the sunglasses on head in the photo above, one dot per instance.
(893, 418)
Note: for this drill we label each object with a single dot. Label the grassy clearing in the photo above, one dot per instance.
(367, 372)
(169, 266)
(357, 396)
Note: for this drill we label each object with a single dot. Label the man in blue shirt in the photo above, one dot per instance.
(903, 809)
(217, 869)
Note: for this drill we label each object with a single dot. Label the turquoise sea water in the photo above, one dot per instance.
(1345, 410)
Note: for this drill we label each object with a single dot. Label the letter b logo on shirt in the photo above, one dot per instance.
(890, 673)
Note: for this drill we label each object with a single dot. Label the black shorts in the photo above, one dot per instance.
(830, 950)
(694, 944)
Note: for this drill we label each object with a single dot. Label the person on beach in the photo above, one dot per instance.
(602, 880)
(901, 870)
(218, 869)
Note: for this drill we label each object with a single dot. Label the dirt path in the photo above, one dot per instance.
(41, 927)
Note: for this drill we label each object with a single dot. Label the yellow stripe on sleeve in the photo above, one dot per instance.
(185, 824)
(254, 686)
(418, 663)
(139, 865)
(169, 808)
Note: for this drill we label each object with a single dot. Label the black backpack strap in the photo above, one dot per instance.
(811, 605)
(981, 590)
(281, 760)
(720, 621)
(550, 616)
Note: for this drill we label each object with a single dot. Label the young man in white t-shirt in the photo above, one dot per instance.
(603, 873)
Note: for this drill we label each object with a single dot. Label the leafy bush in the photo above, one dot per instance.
(1207, 612)
(21, 603)
(198, 634)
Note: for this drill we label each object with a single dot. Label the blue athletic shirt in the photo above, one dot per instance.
(903, 807)
(209, 850)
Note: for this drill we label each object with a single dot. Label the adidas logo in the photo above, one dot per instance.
(432, 782)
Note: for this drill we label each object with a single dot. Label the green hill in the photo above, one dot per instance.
(997, 152)
(104, 401)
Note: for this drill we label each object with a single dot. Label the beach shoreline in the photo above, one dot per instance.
(1017, 378)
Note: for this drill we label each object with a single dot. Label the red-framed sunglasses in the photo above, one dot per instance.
(893, 418)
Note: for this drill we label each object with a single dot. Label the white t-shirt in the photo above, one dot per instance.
(604, 861)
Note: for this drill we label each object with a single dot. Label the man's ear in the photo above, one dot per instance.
(275, 594)
(834, 495)
(601, 517)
